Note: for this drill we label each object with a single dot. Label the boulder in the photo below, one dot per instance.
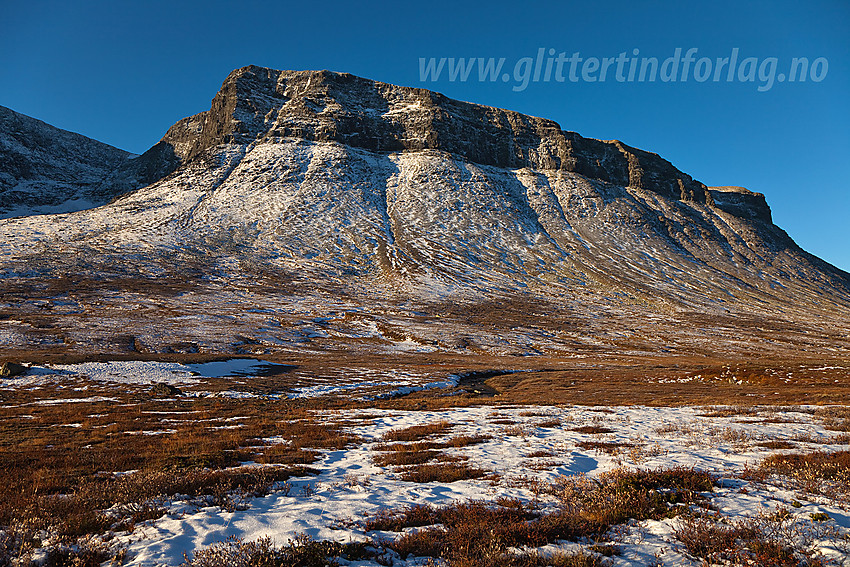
(9, 369)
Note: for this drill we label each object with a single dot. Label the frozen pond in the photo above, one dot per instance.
(146, 372)
(366, 383)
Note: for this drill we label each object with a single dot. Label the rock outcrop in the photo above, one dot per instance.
(741, 202)
(12, 369)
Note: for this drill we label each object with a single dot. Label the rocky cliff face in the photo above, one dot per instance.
(259, 105)
(741, 202)
(303, 192)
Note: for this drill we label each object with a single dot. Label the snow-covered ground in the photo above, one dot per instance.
(351, 484)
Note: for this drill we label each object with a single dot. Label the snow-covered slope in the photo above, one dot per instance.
(44, 169)
(325, 181)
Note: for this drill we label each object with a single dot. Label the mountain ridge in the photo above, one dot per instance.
(190, 136)
(625, 165)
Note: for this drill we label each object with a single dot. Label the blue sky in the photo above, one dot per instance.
(123, 72)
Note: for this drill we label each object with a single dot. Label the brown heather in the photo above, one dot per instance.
(479, 534)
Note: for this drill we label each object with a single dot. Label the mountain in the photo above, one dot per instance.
(44, 169)
(318, 210)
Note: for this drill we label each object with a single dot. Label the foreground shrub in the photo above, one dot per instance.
(303, 552)
(766, 541)
(818, 472)
(129, 499)
(619, 495)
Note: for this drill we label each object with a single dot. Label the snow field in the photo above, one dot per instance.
(351, 485)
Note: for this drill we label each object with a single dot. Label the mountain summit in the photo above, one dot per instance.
(258, 105)
(393, 216)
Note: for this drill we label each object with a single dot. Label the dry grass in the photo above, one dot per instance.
(840, 439)
(541, 454)
(776, 444)
(422, 461)
(514, 431)
(48, 464)
(445, 471)
(610, 447)
(286, 454)
(833, 424)
(390, 520)
(732, 411)
(453, 442)
(416, 446)
(401, 458)
(701, 433)
(53, 480)
(130, 499)
(638, 382)
(833, 412)
(467, 440)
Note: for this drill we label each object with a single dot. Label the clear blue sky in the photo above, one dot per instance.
(123, 72)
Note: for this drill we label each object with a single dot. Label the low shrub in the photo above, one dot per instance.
(303, 552)
(592, 429)
(482, 534)
(440, 472)
(760, 541)
(818, 472)
(418, 432)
